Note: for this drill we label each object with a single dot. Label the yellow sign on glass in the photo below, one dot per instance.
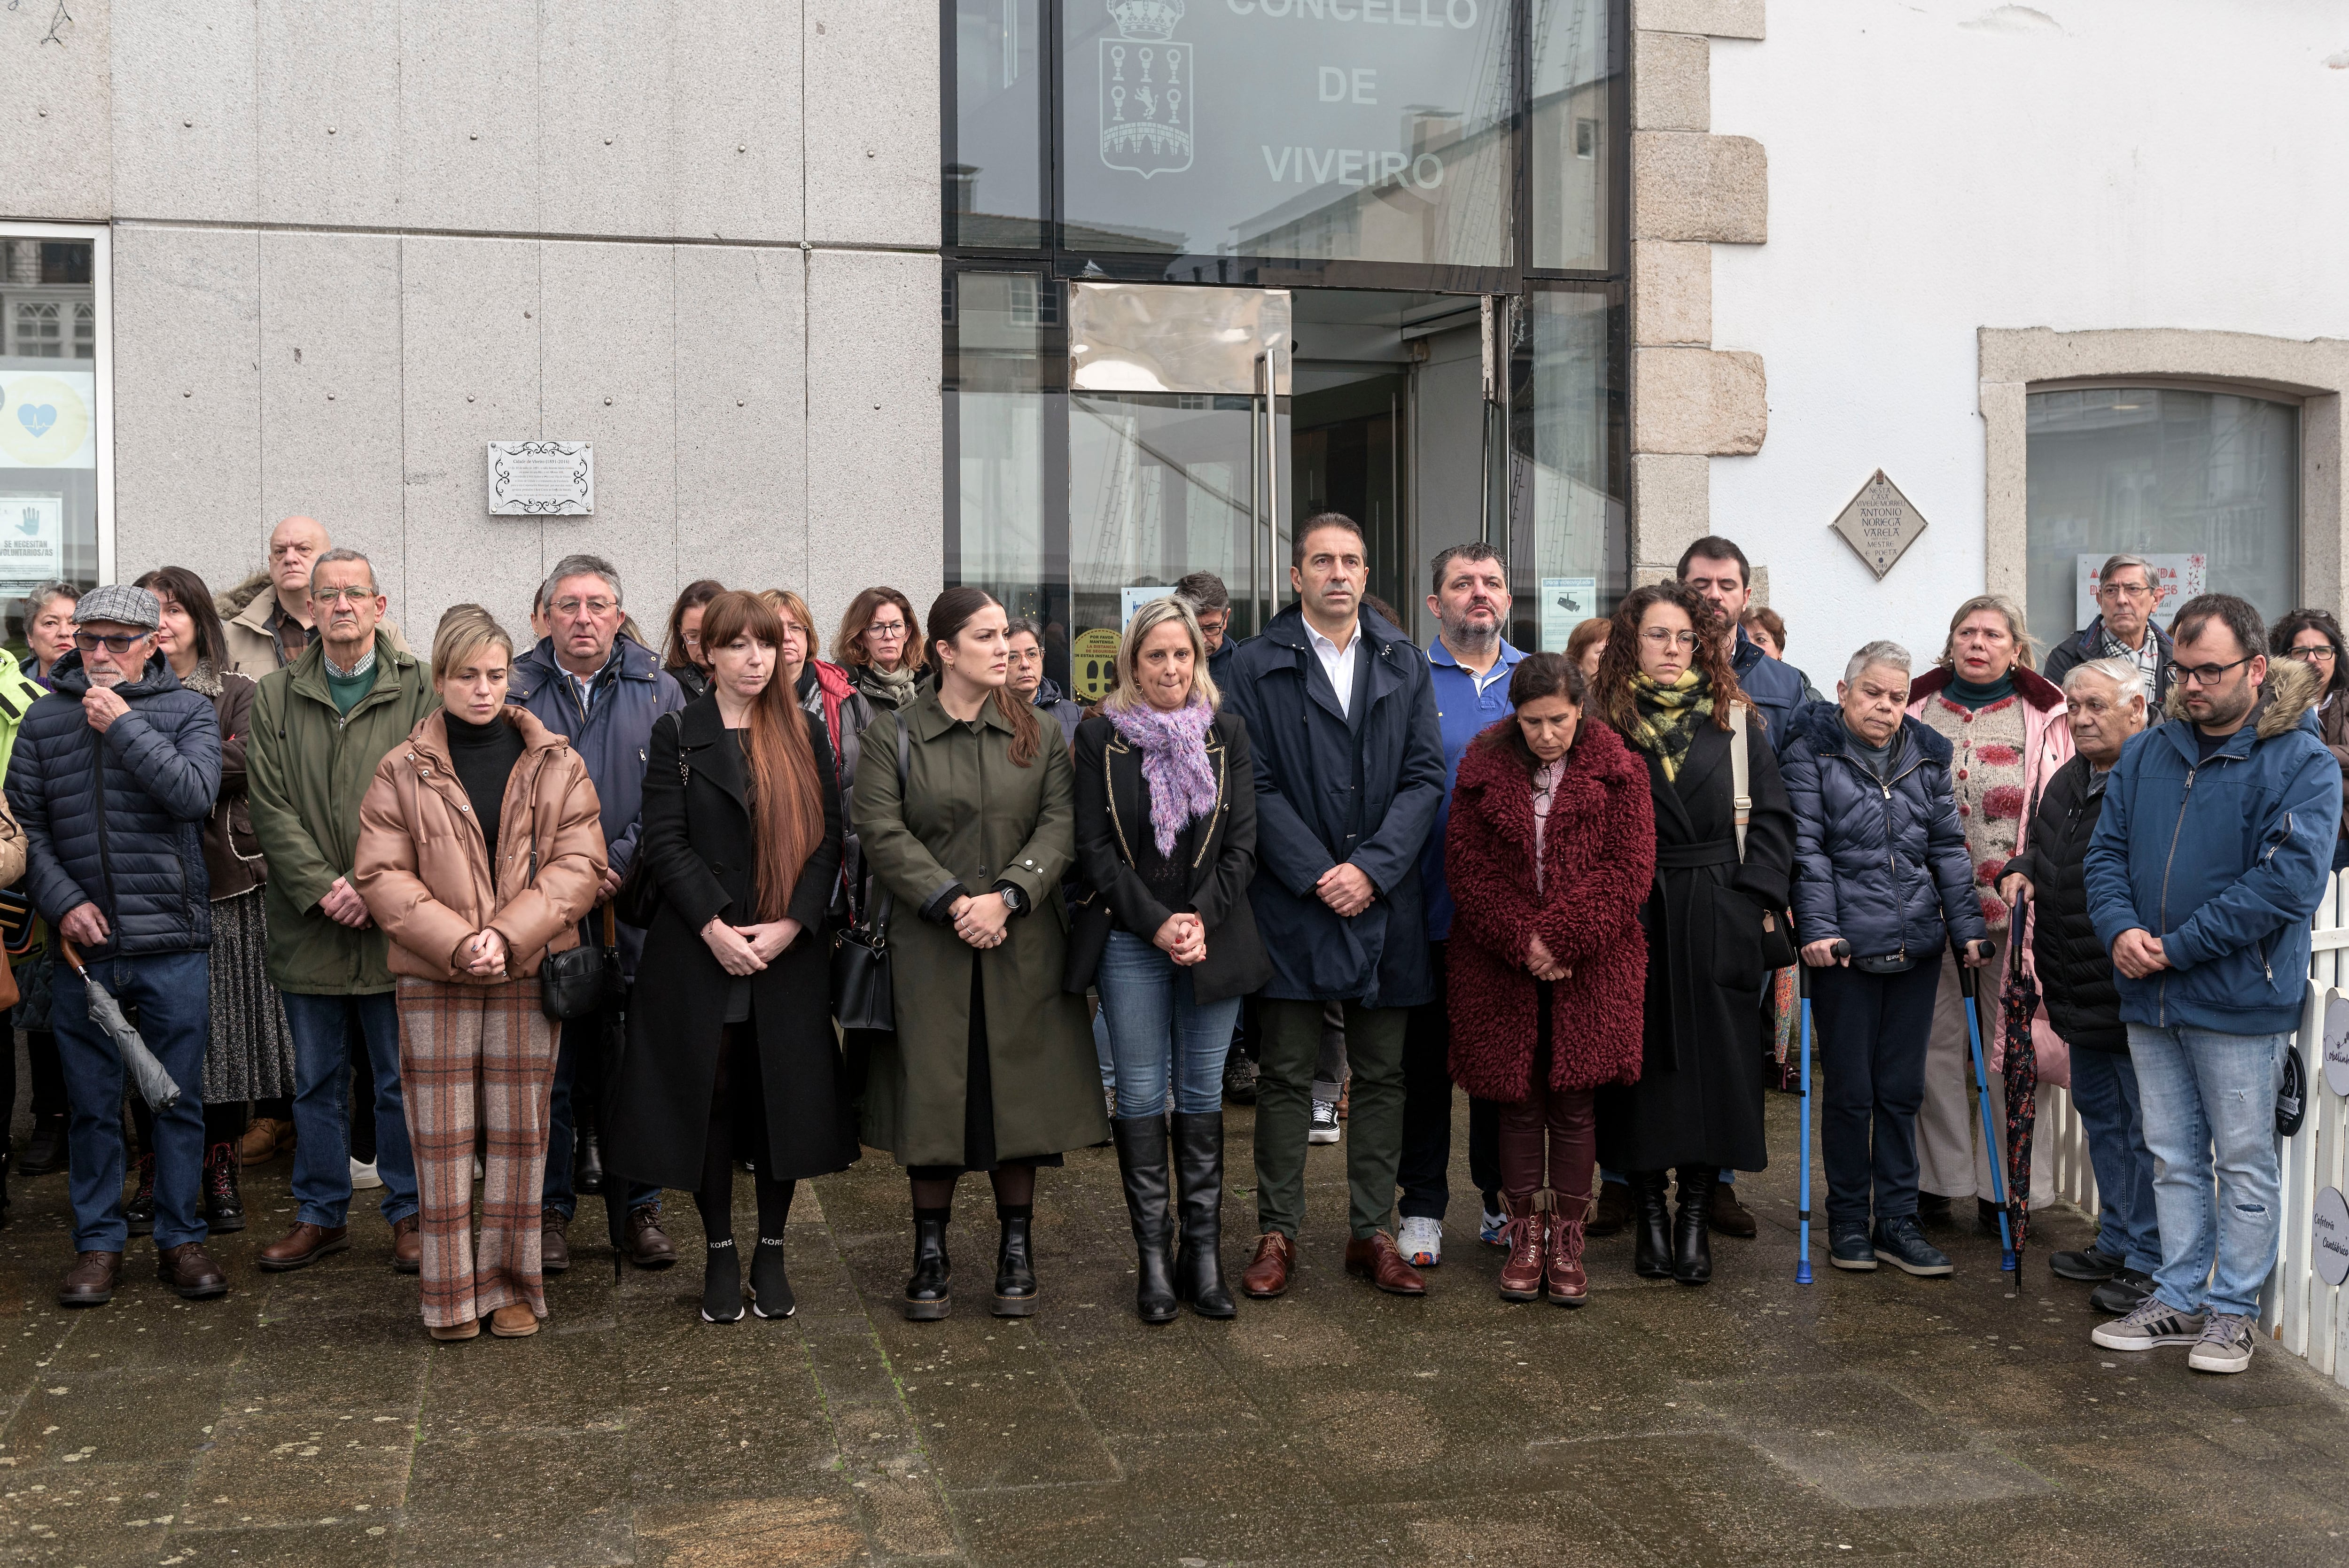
(1093, 659)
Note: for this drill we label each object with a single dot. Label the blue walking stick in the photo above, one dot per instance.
(1803, 989)
(2006, 1259)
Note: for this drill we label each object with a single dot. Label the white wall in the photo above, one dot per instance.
(1939, 167)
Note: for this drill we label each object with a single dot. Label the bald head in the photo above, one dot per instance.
(294, 545)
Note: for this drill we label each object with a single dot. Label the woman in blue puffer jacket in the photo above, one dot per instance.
(1880, 863)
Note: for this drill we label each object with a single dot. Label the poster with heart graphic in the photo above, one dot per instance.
(44, 420)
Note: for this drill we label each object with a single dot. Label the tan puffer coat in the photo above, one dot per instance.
(425, 873)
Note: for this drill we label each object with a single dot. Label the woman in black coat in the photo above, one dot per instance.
(731, 1052)
(1714, 917)
(1166, 797)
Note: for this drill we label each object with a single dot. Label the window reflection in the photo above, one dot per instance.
(996, 401)
(995, 163)
(1574, 79)
(48, 416)
(1566, 473)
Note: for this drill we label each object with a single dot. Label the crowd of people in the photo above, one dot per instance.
(505, 927)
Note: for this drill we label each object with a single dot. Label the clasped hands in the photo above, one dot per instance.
(980, 920)
(1541, 964)
(1184, 939)
(2137, 953)
(747, 949)
(483, 953)
(1346, 889)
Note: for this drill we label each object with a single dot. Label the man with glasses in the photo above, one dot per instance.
(2204, 871)
(319, 727)
(602, 690)
(272, 628)
(112, 778)
(2129, 591)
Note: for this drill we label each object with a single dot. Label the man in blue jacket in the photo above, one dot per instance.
(1349, 775)
(113, 775)
(1717, 568)
(585, 681)
(2211, 859)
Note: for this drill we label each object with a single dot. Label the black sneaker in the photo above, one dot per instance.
(2120, 1293)
(1899, 1243)
(223, 1205)
(1239, 1078)
(140, 1212)
(1847, 1246)
(2088, 1265)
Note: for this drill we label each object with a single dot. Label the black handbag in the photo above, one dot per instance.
(1090, 923)
(581, 981)
(861, 970)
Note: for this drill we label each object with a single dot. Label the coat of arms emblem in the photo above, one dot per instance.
(1146, 98)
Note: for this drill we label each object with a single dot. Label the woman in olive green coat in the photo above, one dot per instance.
(991, 1067)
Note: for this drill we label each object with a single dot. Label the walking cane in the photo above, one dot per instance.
(2006, 1262)
(1803, 1164)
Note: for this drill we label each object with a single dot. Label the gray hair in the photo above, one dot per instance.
(1892, 656)
(2116, 562)
(582, 566)
(2127, 676)
(346, 554)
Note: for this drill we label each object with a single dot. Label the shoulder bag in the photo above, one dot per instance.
(582, 980)
(1777, 938)
(860, 996)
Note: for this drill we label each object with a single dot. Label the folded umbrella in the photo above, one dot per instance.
(155, 1085)
(612, 1044)
(2020, 1071)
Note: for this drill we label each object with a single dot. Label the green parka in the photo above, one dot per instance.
(308, 768)
(969, 815)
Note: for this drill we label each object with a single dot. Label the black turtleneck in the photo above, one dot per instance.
(485, 756)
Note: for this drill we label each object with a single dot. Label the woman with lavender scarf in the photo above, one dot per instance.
(1167, 843)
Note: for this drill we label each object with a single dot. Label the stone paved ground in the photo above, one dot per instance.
(306, 1419)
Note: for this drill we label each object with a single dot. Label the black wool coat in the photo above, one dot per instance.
(697, 842)
(2076, 973)
(1114, 814)
(1699, 1097)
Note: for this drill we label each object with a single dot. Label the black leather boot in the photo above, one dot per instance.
(1692, 1248)
(1015, 1268)
(45, 1150)
(930, 1294)
(1199, 1173)
(587, 1163)
(1141, 1162)
(140, 1212)
(1652, 1225)
(224, 1204)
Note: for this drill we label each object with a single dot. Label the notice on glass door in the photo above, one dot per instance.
(1566, 603)
(32, 540)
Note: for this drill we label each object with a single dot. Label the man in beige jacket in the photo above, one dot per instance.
(274, 627)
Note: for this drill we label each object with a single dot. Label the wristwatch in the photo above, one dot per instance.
(1014, 899)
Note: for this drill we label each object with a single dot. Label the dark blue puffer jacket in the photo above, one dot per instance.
(118, 819)
(1882, 865)
(1776, 689)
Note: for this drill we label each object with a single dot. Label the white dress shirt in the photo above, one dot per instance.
(1339, 664)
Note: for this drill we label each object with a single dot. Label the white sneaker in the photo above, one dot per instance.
(1325, 1122)
(2225, 1345)
(364, 1177)
(1421, 1241)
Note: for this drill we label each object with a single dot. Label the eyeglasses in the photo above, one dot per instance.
(2127, 590)
(1661, 638)
(691, 639)
(353, 596)
(2207, 674)
(2320, 654)
(888, 630)
(593, 607)
(113, 642)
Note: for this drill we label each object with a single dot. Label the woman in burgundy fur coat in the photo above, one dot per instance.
(1550, 851)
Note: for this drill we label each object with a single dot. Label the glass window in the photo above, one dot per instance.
(1319, 130)
(1566, 468)
(49, 434)
(995, 147)
(1573, 87)
(2204, 484)
(1000, 415)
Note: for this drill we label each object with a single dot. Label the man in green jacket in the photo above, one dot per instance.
(320, 724)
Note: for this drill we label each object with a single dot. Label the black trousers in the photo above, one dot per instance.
(1425, 1167)
(1871, 1032)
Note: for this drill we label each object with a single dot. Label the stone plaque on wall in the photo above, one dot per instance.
(1880, 523)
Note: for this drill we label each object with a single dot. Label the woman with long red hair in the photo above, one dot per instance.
(731, 1052)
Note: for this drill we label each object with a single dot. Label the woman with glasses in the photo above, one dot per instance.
(880, 644)
(1712, 914)
(683, 656)
(2314, 638)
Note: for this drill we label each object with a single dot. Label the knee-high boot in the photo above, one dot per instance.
(1199, 1167)
(1142, 1161)
(1692, 1248)
(1652, 1224)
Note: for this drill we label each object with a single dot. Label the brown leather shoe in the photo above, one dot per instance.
(1521, 1271)
(514, 1321)
(554, 1243)
(1727, 1216)
(90, 1282)
(1614, 1209)
(1377, 1260)
(190, 1270)
(1267, 1275)
(407, 1245)
(265, 1138)
(648, 1246)
(303, 1245)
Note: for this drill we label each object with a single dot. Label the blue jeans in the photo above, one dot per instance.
(323, 1028)
(1102, 1058)
(171, 995)
(2209, 1109)
(1154, 1025)
(580, 1036)
(2104, 1092)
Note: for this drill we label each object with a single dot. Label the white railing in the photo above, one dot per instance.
(2305, 1315)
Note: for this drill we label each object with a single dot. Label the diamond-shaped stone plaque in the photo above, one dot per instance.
(1880, 523)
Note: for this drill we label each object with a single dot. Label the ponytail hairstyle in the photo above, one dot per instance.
(786, 791)
(1538, 676)
(950, 612)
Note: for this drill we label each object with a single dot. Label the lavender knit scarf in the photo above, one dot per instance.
(1173, 763)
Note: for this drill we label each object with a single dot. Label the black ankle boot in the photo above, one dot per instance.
(224, 1204)
(771, 1288)
(140, 1212)
(721, 1283)
(1692, 1248)
(587, 1164)
(1142, 1161)
(45, 1150)
(930, 1294)
(1014, 1267)
(1199, 1173)
(1652, 1225)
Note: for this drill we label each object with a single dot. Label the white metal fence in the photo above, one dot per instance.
(2306, 1316)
